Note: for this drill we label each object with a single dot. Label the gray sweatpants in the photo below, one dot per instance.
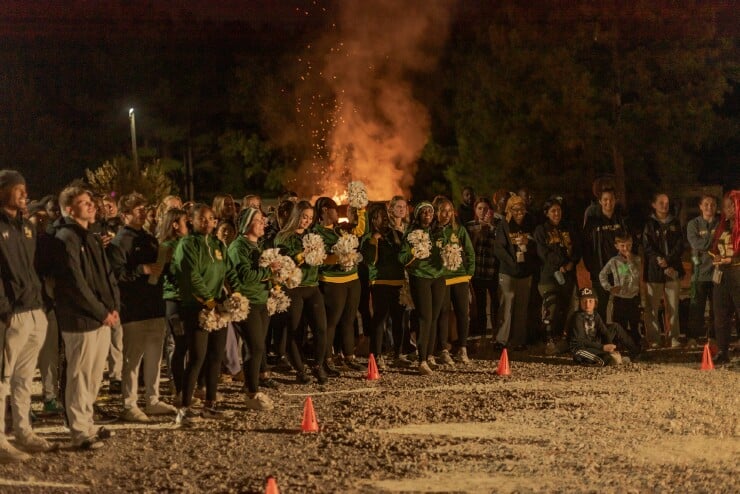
(142, 339)
(21, 342)
(85, 353)
(49, 358)
(115, 356)
(655, 293)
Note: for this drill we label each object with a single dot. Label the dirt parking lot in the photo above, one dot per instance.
(657, 426)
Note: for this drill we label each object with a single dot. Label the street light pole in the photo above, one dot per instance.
(134, 152)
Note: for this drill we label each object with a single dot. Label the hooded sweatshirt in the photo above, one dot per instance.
(200, 264)
(20, 288)
(625, 275)
(662, 238)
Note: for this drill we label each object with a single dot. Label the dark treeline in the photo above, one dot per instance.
(546, 97)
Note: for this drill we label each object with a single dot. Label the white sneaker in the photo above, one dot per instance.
(381, 364)
(446, 358)
(135, 415)
(33, 443)
(675, 343)
(424, 369)
(9, 454)
(187, 417)
(462, 355)
(161, 408)
(260, 401)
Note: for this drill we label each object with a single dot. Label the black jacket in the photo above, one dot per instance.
(664, 240)
(588, 332)
(127, 252)
(599, 233)
(20, 289)
(505, 250)
(86, 290)
(556, 247)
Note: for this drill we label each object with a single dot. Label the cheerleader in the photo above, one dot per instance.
(424, 266)
(248, 278)
(380, 250)
(457, 282)
(201, 269)
(306, 300)
(340, 286)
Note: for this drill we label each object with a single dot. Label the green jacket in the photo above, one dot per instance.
(292, 246)
(381, 258)
(429, 268)
(466, 270)
(330, 272)
(245, 274)
(200, 266)
(169, 277)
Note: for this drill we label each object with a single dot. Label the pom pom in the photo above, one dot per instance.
(357, 195)
(346, 251)
(452, 256)
(314, 250)
(420, 242)
(287, 273)
(278, 301)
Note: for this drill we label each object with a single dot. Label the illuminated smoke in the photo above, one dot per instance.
(368, 126)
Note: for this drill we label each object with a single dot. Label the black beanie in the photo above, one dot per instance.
(10, 178)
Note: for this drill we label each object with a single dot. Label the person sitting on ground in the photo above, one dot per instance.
(592, 342)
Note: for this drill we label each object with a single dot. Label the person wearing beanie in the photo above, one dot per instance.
(339, 284)
(306, 300)
(23, 322)
(725, 253)
(426, 283)
(133, 256)
(515, 249)
(245, 276)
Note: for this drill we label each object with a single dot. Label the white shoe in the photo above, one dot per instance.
(33, 443)
(381, 364)
(675, 343)
(260, 401)
(446, 358)
(9, 454)
(462, 355)
(424, 369)
(161, 408)
(186, 417)
(432, 363)
(135, 415)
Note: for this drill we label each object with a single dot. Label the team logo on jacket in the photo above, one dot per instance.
(218, 254)
(6, 234)
(27, 232)
(454, 239)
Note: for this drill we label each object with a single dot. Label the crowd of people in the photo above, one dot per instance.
(94, 282)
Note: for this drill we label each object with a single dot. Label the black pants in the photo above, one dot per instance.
(205, 350)
(483, 289)
(253, 331)
(457, 297)
(701, 292)
(342, 301)
(556, 302)
(622, 339)
(602, 296)
(176, 357)
(308, 302)
(385, 302)
(626, 313)
(726, 301)
(428, 296)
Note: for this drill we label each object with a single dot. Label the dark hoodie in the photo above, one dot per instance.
(599, 234)
(662, 239)
(86, 290)
(20, 289)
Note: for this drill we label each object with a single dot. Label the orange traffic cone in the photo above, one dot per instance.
(706, 359)
(503, 364)
(309, 423)
(271, 487)
(372, 369)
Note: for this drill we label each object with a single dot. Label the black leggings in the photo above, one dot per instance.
(253, 331)
(482, 290)
(342, 301)
(176, 359)
(309, 302)
(385, 302)
(428, 296)
(457, 297)
(206, 350)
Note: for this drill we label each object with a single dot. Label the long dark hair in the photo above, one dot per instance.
(164, 227)
(294, 220)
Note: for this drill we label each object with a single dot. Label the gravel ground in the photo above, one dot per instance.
(656, 426)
